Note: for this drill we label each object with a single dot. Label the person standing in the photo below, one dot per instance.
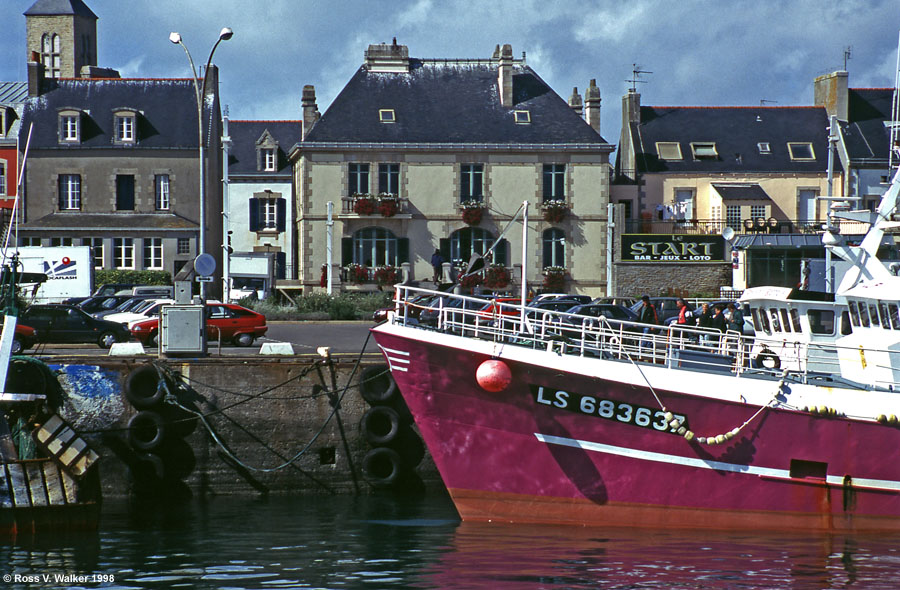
(647, 315)
(685, 313)
(437, 265)
(736, 318)
(717, 322)
(704, 320)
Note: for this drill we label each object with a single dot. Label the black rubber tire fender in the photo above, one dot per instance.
(764, 356)
(382, 467)
(143, 388)
(146, 430)
(380, 425)
(377, 385)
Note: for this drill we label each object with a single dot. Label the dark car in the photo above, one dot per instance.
(666, 307)
(127, 305)
(574, 320)
(68, 324)
(98, 303)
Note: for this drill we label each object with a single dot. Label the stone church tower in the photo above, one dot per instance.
(61, 35)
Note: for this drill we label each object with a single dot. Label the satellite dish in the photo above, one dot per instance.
(728, 233)
(205, 265)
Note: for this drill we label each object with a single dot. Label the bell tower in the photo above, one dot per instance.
(61, 35)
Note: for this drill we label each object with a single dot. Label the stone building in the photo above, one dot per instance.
(418, 155)
(62, 34)
(114, 163)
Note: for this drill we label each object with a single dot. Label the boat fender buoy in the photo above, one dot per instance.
(701, 440)
(766, 359)
(735, 431)
(146, 430)
(669, 416)
(882, 419)
(493, 375)
(143, 387)
(377, 385)
(681, 430)
(380, 425)
(382, 467)
(689, 436)
(892, 419)
(720, 439)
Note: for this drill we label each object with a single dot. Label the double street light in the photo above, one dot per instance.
(224, 35)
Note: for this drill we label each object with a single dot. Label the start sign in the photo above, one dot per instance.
(672, 248)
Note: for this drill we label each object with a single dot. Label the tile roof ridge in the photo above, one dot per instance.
(265, 120)
(875, 88)
(124, 79)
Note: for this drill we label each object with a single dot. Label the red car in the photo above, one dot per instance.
(230, 322)
(24, 339)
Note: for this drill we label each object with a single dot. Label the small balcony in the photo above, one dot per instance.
(368, 205)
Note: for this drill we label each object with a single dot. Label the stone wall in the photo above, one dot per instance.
(687, 280)
(262, 413)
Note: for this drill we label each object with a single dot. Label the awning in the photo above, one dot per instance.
(793, 240)
(741, 192)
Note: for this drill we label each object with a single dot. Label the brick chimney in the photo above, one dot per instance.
(35, 75)
(592, 105)
(631, 108)
(575, 101)
(830, 91)
(505, 76)
(310, 110)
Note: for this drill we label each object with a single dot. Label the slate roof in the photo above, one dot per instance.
(865, 135)
(126, 222)
(442, 101)
(736, 132)
(245, 134)
(13, 92)
(59, 7)
(166, 120)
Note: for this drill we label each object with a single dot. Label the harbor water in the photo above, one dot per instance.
(387, 542)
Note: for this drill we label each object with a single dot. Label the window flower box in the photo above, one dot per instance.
(364, 205)
(472, 212)
(470, 281)
(554, 279)
(554, 211)
(496, 277)
(388, 207)
(386, 276)
(357, 273)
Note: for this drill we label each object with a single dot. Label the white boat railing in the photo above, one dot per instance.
(675, 346)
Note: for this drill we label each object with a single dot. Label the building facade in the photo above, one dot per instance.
(260, 193)
(418, 156)
(114, 165)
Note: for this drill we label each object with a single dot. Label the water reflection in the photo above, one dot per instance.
(382, 543)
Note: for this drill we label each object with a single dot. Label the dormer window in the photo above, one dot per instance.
(70, 126)
(668, 150)
(522, 117)
(387, 116)
(801, 151)
(269, 159)
(704, 150)
(126, 126)
(764, 147)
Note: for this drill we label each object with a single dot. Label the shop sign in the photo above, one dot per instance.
(672, 248)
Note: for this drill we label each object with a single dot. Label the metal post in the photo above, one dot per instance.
(829, 271)
(524, 288)
(226, 211)
(329, 238)
(610, 228)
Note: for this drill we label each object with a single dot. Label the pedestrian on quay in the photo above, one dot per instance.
(718, 322)
(735, 318)
(685, 313)
(648, 315)
(437, 264)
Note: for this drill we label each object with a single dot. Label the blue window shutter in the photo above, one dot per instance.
(62, 202)
(280, 264)
(445, 249)
(346, 251)
(254, 214)
(402, 250)
(280, 215)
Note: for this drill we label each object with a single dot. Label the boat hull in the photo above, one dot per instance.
(589, 447)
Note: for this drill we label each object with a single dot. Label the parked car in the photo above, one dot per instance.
(23, 339)
(94, 304)
(665, 307)
(149, 309)
(68, 324)
(112, 288)
(228, 321)
(127, 305)
(581, 299)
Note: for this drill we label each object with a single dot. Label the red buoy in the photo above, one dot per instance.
(493, 375)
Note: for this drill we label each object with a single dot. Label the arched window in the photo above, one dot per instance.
(50, 47)
(469, 240)
(554, 247)
(375, 246)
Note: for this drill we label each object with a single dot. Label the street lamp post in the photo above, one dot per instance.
(224, 35)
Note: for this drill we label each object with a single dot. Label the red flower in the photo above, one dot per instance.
(472, 215)
(387, 207)
(364, 206)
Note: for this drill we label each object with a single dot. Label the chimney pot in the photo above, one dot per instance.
(505, 76)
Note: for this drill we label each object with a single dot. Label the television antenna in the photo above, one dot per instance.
(847, 56)
(635, 73)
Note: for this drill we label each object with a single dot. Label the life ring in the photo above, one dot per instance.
(376, 385)
(382, 467)
(766, 359)
(144, 387)
(380, 425)
(146, 430)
